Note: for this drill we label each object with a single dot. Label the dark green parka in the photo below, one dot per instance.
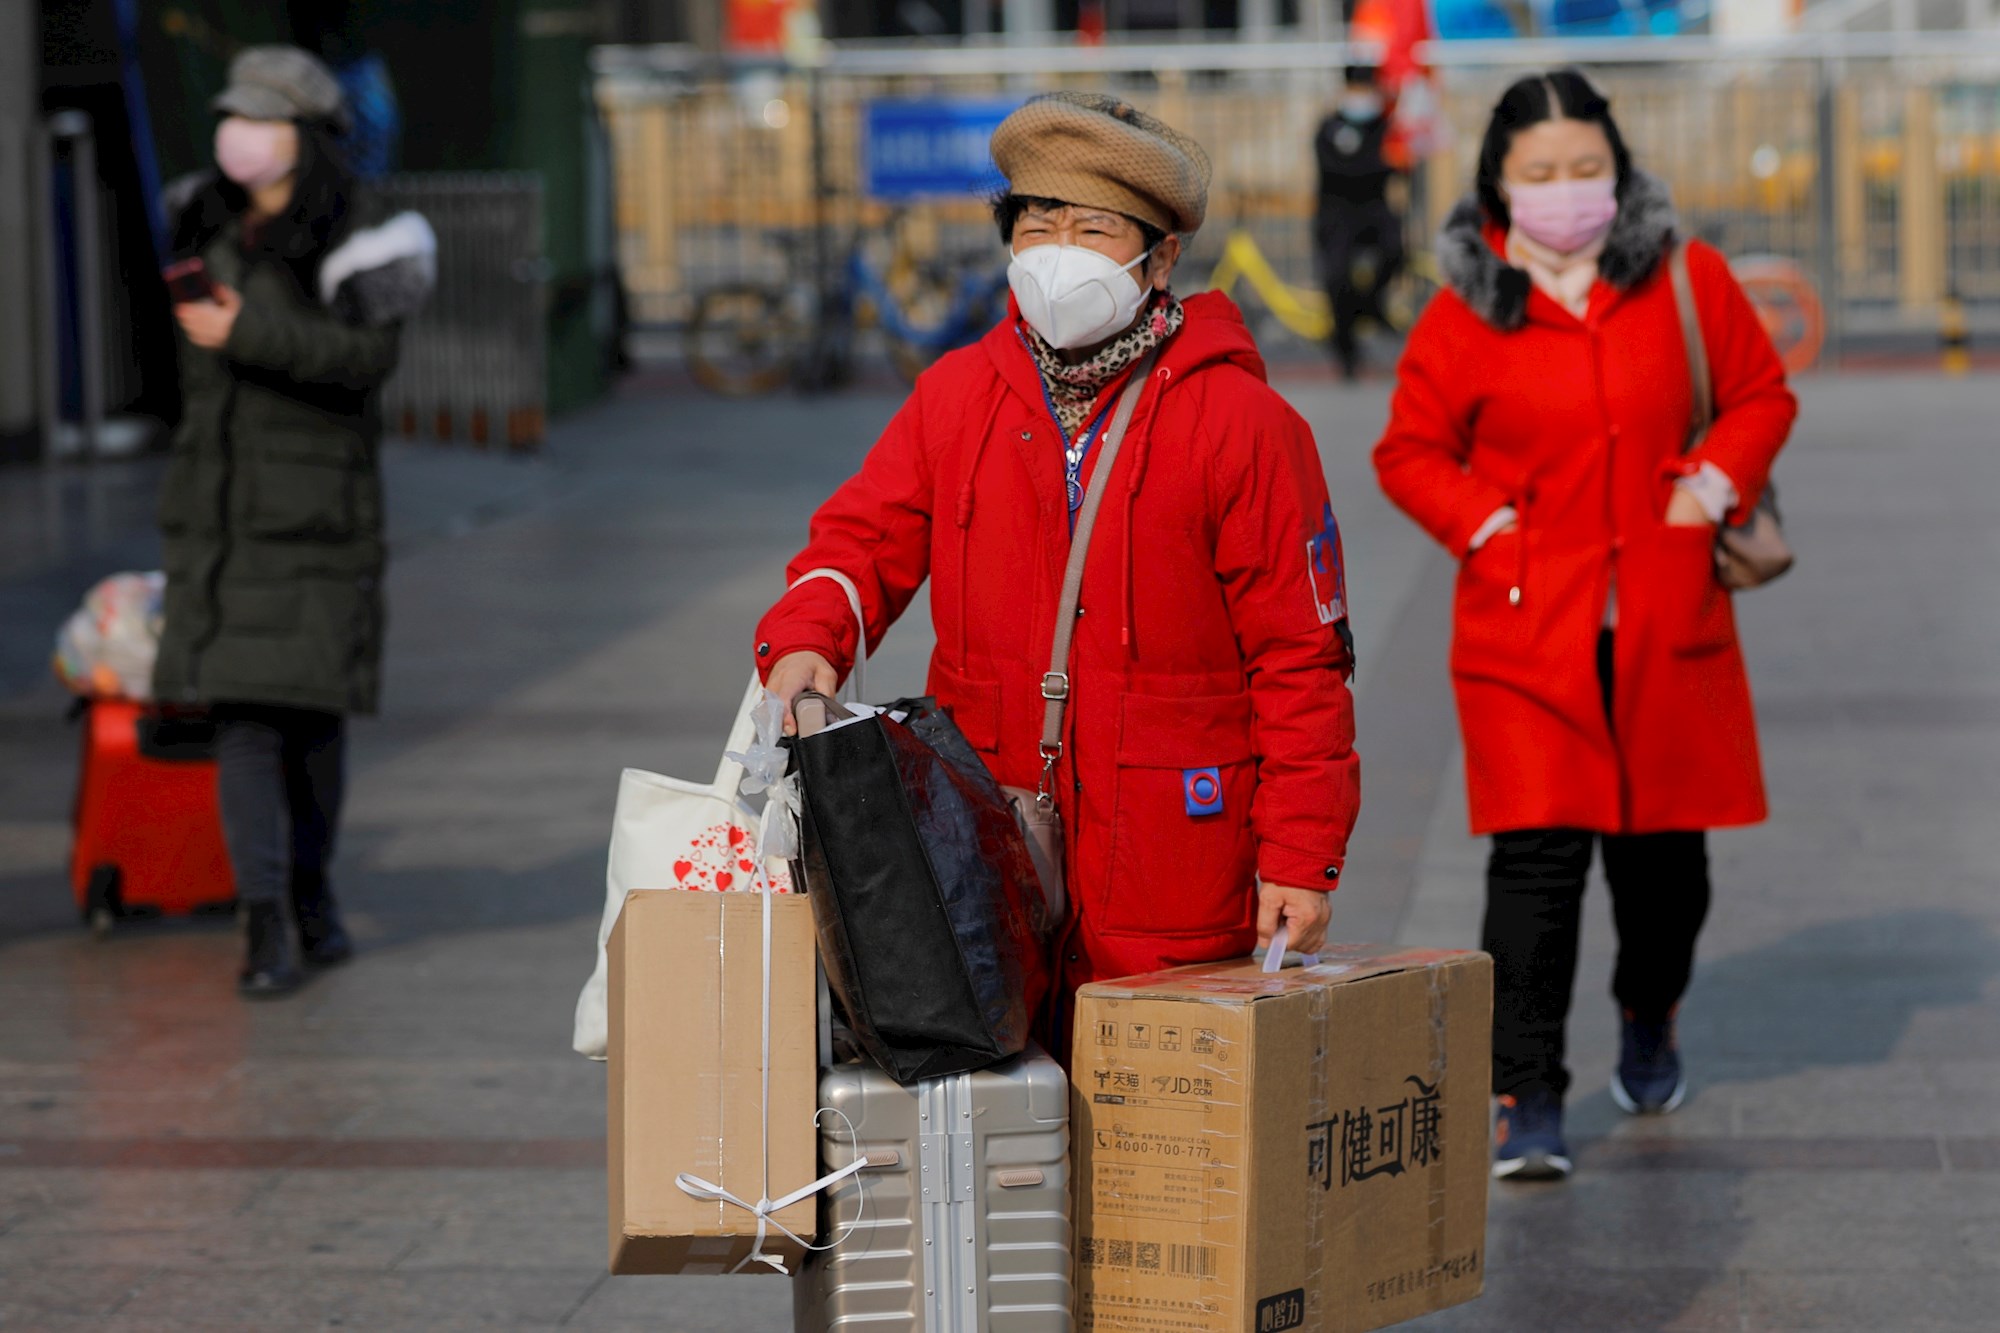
(272, 505)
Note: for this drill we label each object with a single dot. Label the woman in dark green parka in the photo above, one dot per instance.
(272, 505)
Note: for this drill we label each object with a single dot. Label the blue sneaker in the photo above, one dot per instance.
(1648, 1080)
(1528, 1137)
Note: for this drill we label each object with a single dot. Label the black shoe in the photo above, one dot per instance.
(1649, 1079)
(322, 938)
(271, 962)
(1528, 1137)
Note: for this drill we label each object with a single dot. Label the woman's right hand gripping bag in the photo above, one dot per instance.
(932, 922)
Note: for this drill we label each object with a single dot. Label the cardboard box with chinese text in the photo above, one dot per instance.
(686, 1087)
(1304, 1149)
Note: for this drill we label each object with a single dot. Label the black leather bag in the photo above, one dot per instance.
(931, 919)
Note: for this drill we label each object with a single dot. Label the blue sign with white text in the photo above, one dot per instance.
(920, 149)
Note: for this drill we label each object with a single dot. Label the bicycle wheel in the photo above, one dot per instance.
(938, 311)
(741, 340)
(915, 330)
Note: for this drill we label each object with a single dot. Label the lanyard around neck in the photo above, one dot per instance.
(1073, 455)
(1074, 451)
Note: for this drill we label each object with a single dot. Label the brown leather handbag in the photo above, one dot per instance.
(1750, 553)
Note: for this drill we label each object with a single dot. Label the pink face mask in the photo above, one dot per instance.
(253, 153)
(1566, 215)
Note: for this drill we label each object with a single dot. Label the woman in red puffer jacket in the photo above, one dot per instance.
(1206, 775)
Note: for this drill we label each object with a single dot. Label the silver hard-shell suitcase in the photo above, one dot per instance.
(961, 1221)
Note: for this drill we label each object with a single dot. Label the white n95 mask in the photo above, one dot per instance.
(1073, 296)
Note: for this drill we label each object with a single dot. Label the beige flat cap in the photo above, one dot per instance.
(1103, 152)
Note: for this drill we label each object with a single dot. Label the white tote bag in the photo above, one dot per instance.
(672, 834)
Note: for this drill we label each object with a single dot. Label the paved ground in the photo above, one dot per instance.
(409, 1144)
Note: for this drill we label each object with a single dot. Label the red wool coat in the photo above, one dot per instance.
(1504, 398)
(1207, 638)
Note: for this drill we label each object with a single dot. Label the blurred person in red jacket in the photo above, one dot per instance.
(1207, 777)
(1537, 432)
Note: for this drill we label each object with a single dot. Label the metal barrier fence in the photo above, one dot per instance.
(81, 314)
(474, 364)
(1873, 163)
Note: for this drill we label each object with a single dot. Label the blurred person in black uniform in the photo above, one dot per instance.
(1358, 237)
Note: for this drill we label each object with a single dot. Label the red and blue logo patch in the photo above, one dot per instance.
(1203, 789)
(1327, 566)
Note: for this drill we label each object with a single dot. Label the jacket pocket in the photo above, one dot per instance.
(1183, 858)
(1494, 612)
(1695, 612)
(259, 608)
(301, 489)
(974, 706)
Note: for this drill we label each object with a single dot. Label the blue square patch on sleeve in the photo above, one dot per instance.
(1203, 789)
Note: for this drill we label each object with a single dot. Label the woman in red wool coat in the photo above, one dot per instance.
(1537, 432)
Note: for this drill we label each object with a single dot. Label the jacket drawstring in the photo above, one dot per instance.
(962, 513)
(1143, 455)
(1516, 593)
(1125, 626)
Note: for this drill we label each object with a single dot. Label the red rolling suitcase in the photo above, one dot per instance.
(148, 830)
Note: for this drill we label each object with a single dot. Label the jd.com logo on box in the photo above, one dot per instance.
(1311, 1154)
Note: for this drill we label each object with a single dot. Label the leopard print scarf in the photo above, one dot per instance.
(1074, 389)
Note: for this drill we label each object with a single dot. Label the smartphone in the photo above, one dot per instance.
(188, 282)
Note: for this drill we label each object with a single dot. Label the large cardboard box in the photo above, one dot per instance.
(685, 1019)
(1305, 1149)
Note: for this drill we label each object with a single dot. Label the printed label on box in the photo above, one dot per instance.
(1285, 1310)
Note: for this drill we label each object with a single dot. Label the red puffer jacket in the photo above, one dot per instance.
(1505, 398)
(1208, 639)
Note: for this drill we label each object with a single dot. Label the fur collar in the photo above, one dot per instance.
(383, 273)
(1640, 239)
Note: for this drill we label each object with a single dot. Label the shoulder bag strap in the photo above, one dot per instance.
(1055, 685)
(1703, 415)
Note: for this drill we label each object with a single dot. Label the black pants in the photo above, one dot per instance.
(1342, 240)
(282, 773)
(1534, 911)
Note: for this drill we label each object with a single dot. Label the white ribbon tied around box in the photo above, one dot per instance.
(766, 1209)
(783, 804)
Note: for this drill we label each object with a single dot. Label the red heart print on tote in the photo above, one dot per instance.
(723, 858)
